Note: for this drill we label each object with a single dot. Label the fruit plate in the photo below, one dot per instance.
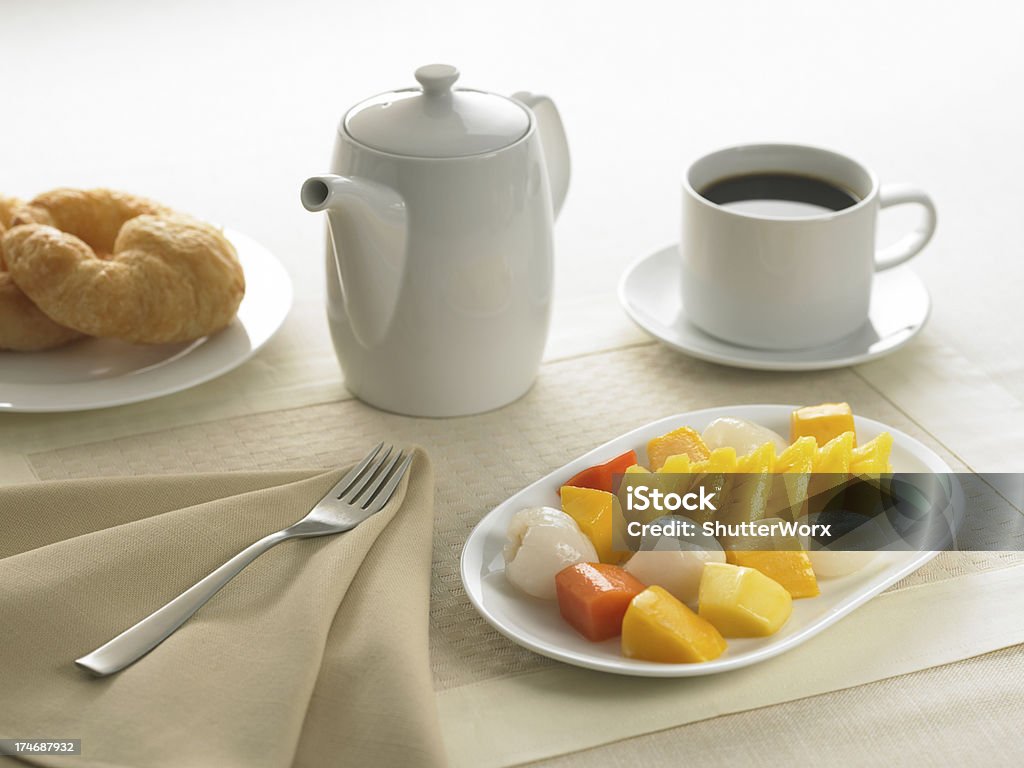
(537, 625)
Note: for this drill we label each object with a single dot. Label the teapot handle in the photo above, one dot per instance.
(554, 143)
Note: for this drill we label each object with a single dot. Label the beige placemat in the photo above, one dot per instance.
(576, 404)
(296, 368)
(479, 460)
(963, 714)
(953, 401)
(565, 708)
(316, 654)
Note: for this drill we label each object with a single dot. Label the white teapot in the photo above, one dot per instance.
(439, 252)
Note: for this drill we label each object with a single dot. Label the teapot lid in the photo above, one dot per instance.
(437, 120)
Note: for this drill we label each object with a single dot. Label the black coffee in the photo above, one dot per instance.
(779, 194)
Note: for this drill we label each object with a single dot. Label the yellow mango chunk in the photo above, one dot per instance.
(598, 514)
(714, 473)
(794, 466)
(679, 441)
(798, 457)
(658, 627)
(636, 469)
(834, 457)
(719, 460)
(791, 569)
(872, 458)
(822, 422)
(761, 459)
(676, 465)
(742, 602)
(751, 489)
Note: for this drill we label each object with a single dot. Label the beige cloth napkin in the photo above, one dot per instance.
(315, 655)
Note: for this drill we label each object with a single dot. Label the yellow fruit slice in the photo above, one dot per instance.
(599, 516)
(761, 459)
(636, 469)
(831, 468)
(712, 474)
(742, 602)
(794, 466)
(752, 486)
(823, 422)
(676, 465)
(790, 569)
(798, 456)
(658, 627)
(679, 441)
(720, 460)
(834, 456)
(872, 457)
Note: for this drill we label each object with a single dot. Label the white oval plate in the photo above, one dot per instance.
(650, 293)
(537, 625)
(99, 373)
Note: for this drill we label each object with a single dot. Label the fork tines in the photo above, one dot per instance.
(372, 482)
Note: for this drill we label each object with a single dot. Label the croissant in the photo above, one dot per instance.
(113, 265)
(23, 326)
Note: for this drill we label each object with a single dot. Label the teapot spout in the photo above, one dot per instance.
(320, 193)
(367, 234)
(317, 193)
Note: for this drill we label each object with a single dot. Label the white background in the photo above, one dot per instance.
(222, 109)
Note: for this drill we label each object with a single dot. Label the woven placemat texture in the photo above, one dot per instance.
(576, 405)
(922, 718)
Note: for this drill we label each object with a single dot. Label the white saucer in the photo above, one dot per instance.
(650, 293)
(98, 373)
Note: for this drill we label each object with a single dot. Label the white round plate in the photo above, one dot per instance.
(99, 373)
(651, 294)
(537, 625)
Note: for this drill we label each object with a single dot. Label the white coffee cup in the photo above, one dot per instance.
(775, 282)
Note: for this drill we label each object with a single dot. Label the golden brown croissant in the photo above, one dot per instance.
(114, 265)
(23, 326)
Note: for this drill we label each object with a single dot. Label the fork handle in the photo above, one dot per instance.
(138, 640)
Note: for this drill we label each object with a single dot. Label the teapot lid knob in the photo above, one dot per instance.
(437, 79)
(437, 120)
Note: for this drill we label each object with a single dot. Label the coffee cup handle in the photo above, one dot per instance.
(910, 244)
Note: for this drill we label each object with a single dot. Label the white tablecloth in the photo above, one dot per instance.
(223, 109)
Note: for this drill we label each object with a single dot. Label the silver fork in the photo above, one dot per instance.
(359, 495)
